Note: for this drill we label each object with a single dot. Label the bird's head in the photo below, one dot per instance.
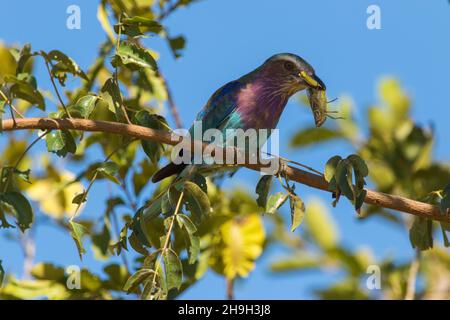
(289, 74)
(292, 73)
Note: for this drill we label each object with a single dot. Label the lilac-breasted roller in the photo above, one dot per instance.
(257, 99)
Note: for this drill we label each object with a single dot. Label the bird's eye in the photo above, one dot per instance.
(289, 66)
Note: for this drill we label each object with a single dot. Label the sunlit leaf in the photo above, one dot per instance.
(299, 261)
(55, 192)
(134, 57)
(77, 232)
(314, 135)
(47, 271)
(137, 26)
(111, 87)
(136, 279)
(297, 211)
(275, 202)
(8, 65)
(60, 142)
(330, 167)
(84, 106)
(64, 65)
(109, 171)
(24, 87)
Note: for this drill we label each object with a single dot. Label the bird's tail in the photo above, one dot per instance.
(168, 171)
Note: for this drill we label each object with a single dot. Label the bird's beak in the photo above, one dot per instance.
(313, 81)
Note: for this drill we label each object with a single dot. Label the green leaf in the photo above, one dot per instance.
(420, 234)
(4, 223)
(177, 44)
(60, 142)
(80, 198)
(297, 211)
(300, 261)
(23, 175)
(136, 279)
(24, 87)
(148, 225)
(112, 89)
(330, 167)
(101, 240)
(64, 65)
(24, 55)
(262, 190)
(137, 245)
(77, 232)
(197, 202)
(275, 202)
(314, 135)
(200, 180)
(172, 269)
(359, 165)
(47, 271)
(152, 149)
(344, 179)
(138, 26)
(194, 241)
(109, 171)
(133, 57)
(360, 200)
(21, 208)
(84, 106)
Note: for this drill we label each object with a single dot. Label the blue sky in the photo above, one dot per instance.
(227, 38)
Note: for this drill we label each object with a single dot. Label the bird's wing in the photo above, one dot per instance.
(220, 106)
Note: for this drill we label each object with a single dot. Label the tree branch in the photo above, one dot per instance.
(380, 199)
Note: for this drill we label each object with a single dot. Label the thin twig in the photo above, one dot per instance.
(11, 107)
(84, 196)
(296, 163)
(29, 147)
(47, 64)
(115, 223)
(116, 72)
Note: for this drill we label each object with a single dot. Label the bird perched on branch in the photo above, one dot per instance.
(257, 99)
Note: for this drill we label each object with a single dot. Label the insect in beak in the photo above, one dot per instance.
(318, 102)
